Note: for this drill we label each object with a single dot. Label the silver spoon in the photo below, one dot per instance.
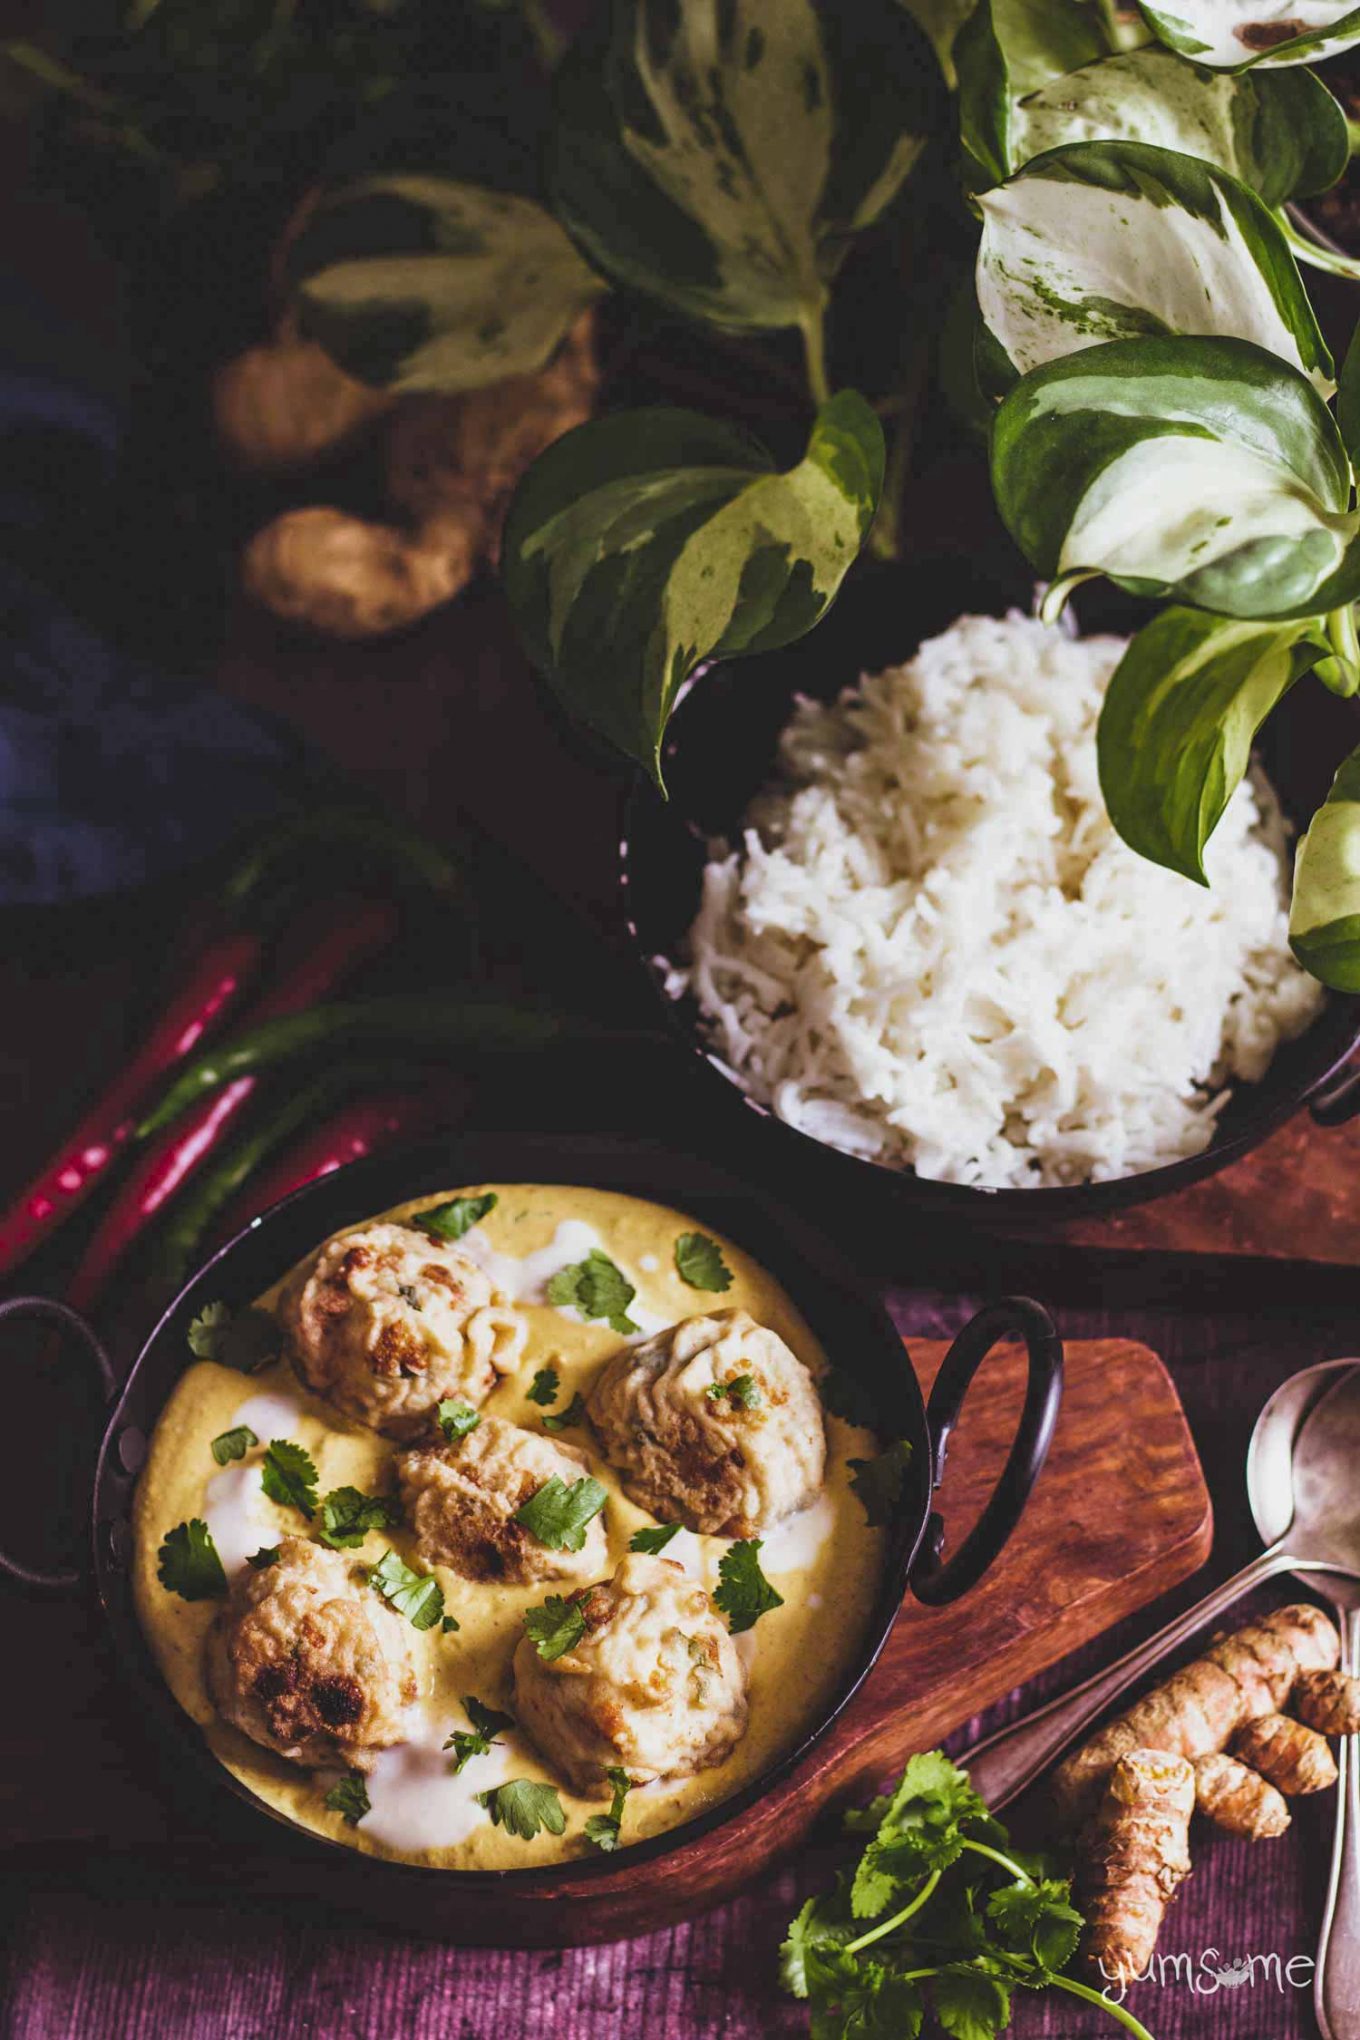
(1323, 1535)
(1322, 1403)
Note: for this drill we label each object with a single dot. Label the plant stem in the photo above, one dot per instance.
(995, 1856)
(547, 40)
(1353, 136)
(1344, 638)
(885, 534)
(1312, 252)
(1093, 1997)
(887, 1926)
(812, 325)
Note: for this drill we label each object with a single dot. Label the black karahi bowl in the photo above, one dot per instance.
(719, 752)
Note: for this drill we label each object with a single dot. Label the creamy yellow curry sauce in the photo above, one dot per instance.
(825, 1562)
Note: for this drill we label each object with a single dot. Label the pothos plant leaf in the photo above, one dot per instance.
(1281, 132)
(1348, 399)
(428, 283)
(642, 543)
(1008, 49)
(1205, 470)
(1178, 721)
(720, 154)
(941, 20)
(1324, 920)
(1230, 34)
(1110, 240)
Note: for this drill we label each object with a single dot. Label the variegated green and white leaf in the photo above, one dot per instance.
(1111, 240)
(1179, 719)
(425, 283)
(1348, 400)
(1324, 920)
(1228, 34)
(1008, 49)
(1207, 470)
(720, 154)
(1281, 132)
(642, 543)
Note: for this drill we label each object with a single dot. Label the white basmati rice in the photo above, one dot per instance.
(931, 947)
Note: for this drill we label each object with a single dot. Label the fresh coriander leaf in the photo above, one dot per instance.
(288, 1475)
(347, 1516)
(544, 1386)
(603, 1828)
(1039, 1920)
(558, 1515)
(555, 1627)
(699, 1261)
(409, 1295)
(562, 1420)
(597, 1289)
(743, 1593)
(743, 1391)
(415, 1595)
(823, 1923)
(481, 1737)
(187, 1563)
(267, 1555)
(350, 1798)
(235, 1444)
(246, 1340)
(847, 1398)
(879, 1483)
(970, 2005)
(654, 1539)
(920, 1830)
(452, 1220)
(456, 1419)
(449, 1625)
(524, 1806)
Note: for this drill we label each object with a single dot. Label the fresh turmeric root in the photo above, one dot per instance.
(1138, 1855)
(351, 579)
(1293, 1757)
(1201, 1708)
(285, 405)
(1329, 1702)
(1238, 1799)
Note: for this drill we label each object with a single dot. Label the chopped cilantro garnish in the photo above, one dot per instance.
(452, 1220)
(555, 1627)
(481, 1737)
(456, 1419)
(562, 1420)
(187, 1563)
(653, 1539)
(744, 1391)
(743, 1593)
(879, 1482)
(699, 1261)
(558, 1515)
(603, 1828)
(544, 1386)
(523, 1807)
(233, 1444)
(350, 1798)
(246, 1339)
(347, 1516)
(267, 1555)
(847, 1398)
(597, 1289)
(288, 1475)
(450, 1625)
(415, 1595)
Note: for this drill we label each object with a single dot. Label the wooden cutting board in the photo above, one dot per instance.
(1120, 1514)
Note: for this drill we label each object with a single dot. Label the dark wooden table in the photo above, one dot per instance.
(107, 1945)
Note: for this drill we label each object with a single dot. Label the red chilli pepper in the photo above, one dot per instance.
(216, 983)
(355, 932)
(358, 1129)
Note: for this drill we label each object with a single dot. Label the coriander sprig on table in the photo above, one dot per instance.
(939, 1915)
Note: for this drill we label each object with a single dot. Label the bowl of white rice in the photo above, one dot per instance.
(884, 903)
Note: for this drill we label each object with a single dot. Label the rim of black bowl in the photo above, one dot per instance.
(1258, 1109)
